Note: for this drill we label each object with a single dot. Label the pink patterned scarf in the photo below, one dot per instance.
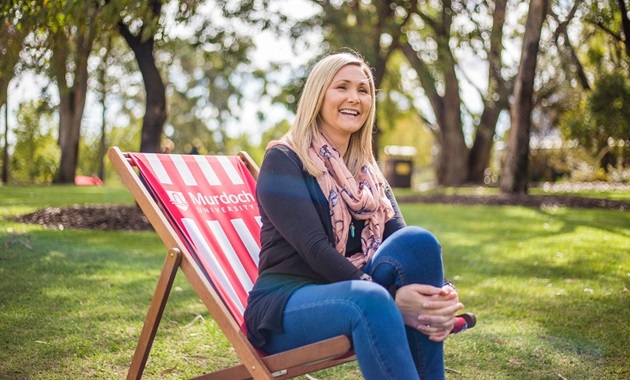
(362, 197)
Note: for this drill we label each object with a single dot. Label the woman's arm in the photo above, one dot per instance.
(284, 197)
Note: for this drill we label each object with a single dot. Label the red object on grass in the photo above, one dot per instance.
(83, 180)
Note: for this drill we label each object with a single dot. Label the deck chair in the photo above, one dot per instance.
(204, 210)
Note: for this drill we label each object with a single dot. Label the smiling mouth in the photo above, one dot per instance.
(349, 112)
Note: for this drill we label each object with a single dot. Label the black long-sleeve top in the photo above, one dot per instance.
(297, 240)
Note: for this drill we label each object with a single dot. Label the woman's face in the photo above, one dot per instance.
(346, 105)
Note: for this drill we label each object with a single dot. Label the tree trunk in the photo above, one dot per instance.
(481, 151)
(102, 73)
(379, 73)
(495, 102)
(5, 152)
(10, 47)
(69, 135)
(452, 161)
(514, 177)
(71, 102)
(155, 113)
(102, 147)
(452, 165)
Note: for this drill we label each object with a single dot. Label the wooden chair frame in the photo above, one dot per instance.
(289, 364)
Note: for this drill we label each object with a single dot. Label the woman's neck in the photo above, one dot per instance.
(339, 142)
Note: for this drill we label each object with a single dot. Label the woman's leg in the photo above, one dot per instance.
(412, 255)
(360, 309)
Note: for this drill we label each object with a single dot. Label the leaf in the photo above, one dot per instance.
(168, 370)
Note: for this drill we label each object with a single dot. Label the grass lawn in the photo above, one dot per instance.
(549, 287)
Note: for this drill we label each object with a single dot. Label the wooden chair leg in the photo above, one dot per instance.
(294, 362)
(154, 315)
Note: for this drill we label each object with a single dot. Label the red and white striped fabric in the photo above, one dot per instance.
(211, 202)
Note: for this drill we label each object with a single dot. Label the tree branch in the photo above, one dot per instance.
(625, 24)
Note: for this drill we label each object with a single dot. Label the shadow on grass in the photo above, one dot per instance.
(549, 288)
(81, 295)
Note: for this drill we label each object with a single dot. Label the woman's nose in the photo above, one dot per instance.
(353, 97)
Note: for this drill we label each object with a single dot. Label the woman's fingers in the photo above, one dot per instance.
(437, 322)
(434, 332)
(445, 306)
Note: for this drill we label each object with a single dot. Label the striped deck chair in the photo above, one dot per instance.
(204, 210)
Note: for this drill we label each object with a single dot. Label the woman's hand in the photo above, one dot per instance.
(358, 260)
(429, 309)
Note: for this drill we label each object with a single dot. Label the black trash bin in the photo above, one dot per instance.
(399, 165)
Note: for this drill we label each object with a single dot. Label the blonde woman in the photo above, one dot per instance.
(337, 257)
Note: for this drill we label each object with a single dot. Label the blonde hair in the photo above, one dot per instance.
(307, 120)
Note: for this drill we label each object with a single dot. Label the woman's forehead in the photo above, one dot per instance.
(351, 73)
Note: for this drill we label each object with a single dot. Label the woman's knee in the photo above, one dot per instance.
(372, 299)
(415, 236)
(410, 255)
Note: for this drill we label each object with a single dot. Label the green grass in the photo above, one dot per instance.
(16, 200)
(549, 287)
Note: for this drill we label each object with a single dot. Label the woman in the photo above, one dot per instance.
(337, 257)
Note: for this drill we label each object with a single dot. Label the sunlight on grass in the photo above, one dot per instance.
(549, 288)
(16, 200)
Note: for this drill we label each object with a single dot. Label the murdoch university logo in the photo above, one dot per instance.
(178, 199)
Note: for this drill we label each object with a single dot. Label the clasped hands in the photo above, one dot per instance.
(429, 309)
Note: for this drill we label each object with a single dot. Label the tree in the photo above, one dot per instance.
(604, 17)
(14, 26)
(36, 155)
(60, 36)
(595, 117)
(452, 159)
(625, 25)
(142, 43)
(495, 99)
(102, 82)
(70, 40)
(514, 174)
(423, 31)
(370, 28)
(603, 117)
(205, 88)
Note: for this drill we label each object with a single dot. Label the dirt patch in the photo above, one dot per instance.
(108, 217)
(131, 217)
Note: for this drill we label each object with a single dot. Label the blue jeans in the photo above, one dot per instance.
(367, 313)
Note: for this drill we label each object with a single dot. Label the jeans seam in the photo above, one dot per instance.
(420, 356)
(401, 273)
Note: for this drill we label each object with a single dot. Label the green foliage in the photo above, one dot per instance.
(36, 154)
(601, 121)
(609, 105)
(206, 80)
(273, 133)
(602, 37)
